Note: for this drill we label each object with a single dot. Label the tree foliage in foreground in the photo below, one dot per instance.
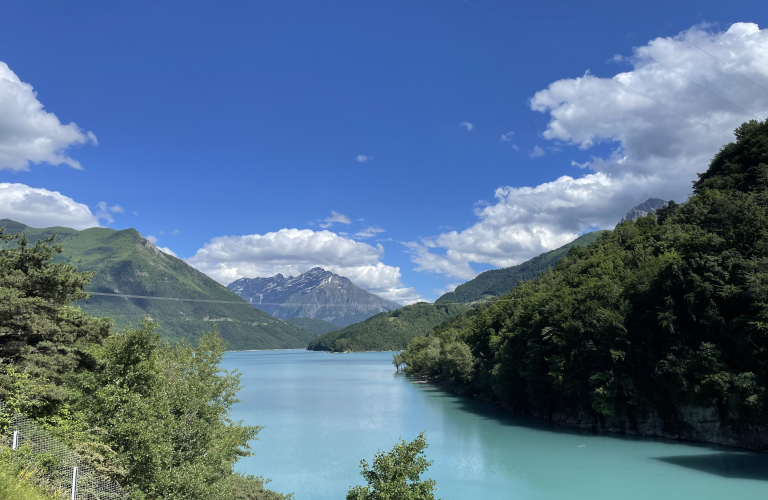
(153, 416)
(396, 474)
(666, 311)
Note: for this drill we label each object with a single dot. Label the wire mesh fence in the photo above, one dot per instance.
(56, 465)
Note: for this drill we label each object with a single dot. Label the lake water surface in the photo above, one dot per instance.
(323, 413)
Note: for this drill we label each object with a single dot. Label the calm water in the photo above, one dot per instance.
(324, 412)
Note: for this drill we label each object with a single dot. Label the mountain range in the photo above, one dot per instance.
(126, 264)
(315, 294)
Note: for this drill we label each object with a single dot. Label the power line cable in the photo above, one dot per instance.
(118, 295)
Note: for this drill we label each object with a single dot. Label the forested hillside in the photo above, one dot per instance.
(151, 416)
(125, 263)
(497, 282)
(316, 326)
(665, 312)
(388, 331)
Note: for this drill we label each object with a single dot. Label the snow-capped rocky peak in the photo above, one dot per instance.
(317, 293)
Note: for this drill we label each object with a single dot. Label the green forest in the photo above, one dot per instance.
(151, 415)
(665, 311)
(316, 326)
(388, 331)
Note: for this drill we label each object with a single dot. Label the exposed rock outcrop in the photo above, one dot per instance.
(688, 424)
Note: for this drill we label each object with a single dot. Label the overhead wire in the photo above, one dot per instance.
(123, 295)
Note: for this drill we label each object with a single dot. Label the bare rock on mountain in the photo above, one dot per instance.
(316, 294)
(643, 209)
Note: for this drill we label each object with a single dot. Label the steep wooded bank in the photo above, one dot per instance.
(659, 327)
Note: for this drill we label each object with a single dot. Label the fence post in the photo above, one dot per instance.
(74, 484)
(15, 440)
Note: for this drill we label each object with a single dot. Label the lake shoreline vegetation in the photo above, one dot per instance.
(657, 328)
(150, 415)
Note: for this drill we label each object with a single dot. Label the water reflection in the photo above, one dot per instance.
(725, 464)
(323, 413)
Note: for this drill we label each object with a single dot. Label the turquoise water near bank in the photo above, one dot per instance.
(323, 413)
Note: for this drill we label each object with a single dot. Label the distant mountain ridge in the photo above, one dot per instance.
(648, 206)
(315, 294)
(390, 330)
(127, 264)
(498, 282)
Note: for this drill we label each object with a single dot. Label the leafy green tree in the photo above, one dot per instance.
(396, 474)
(43, 338)
(165, 408)
(153, 416)
(456, 362)
(398, 361)
(248, 487)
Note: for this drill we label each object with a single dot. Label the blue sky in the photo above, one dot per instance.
(241, 119)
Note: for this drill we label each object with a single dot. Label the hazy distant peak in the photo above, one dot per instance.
(648, 206)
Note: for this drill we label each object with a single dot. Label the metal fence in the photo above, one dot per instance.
(57, 466)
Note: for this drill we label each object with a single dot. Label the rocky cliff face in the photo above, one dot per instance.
(317, 294)
(687, 424)
(643, 209)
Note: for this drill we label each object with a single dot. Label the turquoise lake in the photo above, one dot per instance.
(323, 413)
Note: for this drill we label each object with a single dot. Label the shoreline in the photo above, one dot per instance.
(704, 423)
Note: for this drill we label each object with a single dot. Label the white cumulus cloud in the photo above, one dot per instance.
(38, 207)
(507, 137)
(369, 231)
(151, 239)
(105, 212)
(467, 126)
(294, 251)
(335, 217)
(363, 158)
(655, 151)
(537, 151)
(28, 133)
